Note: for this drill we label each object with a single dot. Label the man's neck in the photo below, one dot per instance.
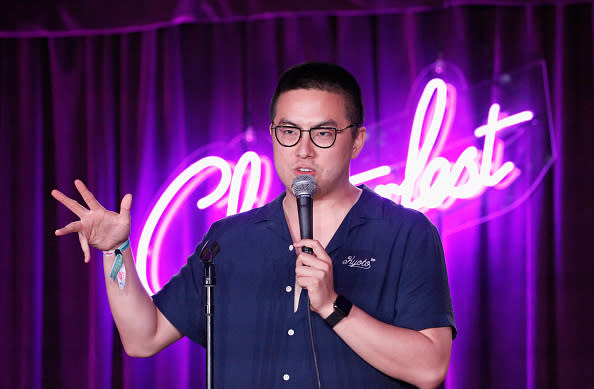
(328, 212)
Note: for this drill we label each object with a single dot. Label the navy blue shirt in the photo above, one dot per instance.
(387, 260)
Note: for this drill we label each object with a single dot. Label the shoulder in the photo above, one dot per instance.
(386, 211)
(244, 221)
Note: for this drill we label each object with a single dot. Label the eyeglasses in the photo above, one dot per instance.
(323, 137)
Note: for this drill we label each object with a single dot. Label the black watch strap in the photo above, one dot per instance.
(342, 307)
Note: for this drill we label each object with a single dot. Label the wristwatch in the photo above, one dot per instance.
(342, 307)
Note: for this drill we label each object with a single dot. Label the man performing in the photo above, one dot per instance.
(370, 308)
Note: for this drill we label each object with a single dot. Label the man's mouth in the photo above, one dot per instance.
(304, 170)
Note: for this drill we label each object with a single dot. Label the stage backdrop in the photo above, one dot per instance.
(126, 111)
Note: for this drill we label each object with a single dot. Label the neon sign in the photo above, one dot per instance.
(437, 183)
(185, 183)
(431, 181)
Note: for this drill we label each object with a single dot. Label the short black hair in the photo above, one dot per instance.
(325, 77)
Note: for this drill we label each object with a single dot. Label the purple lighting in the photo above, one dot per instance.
(431, 181)
(183, 185)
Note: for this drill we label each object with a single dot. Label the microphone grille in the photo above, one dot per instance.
(303, 185)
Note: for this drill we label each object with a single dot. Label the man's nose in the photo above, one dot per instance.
(305, 147)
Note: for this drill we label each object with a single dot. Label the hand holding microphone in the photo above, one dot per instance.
(313, 273)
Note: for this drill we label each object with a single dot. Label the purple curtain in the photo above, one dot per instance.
(88, 17)
(123, 111)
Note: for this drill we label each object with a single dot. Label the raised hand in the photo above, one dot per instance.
(98, 227)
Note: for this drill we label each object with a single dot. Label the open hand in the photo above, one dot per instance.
(98, 227)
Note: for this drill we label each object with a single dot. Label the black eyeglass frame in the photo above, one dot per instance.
(301, 131)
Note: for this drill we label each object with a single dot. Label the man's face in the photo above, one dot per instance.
(307, 108)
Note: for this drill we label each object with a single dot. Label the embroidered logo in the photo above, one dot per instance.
(361, 263)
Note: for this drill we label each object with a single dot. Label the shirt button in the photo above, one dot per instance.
(288, 288)
(291, 247)
(286, 377)
(291, 332)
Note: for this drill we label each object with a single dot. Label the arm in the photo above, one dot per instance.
(418, 357)
(143, 328)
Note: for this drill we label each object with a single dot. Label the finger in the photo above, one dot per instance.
(307, 260)
(70, 228)
(312, 284)
(126, 204)
(308, 243)
(302, 282)
(84, 244)
(311, 262)
(317, 248)
(86, 194)
(308, 271)
(69, 203)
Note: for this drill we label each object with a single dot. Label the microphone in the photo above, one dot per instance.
(303, 187)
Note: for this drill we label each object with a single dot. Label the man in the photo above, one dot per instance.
(376, 280)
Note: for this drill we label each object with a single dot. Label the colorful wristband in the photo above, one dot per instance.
(118, 270)
(123, 247)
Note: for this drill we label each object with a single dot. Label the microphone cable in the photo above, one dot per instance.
(313, 346)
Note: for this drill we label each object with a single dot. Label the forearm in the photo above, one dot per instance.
(137, 318)
(418, 357)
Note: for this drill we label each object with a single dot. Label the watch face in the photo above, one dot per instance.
(342, 305)
(339, 310)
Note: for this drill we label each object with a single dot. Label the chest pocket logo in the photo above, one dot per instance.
(358, 262)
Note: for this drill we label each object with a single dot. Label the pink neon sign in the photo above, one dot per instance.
(185, 183)
(431, 181)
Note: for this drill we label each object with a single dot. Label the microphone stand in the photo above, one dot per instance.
(207, 254)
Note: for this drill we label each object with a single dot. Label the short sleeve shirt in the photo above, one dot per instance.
(387, 260)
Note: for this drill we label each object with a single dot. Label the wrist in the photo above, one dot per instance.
(118, 269)
(326, 310)
(120, 246)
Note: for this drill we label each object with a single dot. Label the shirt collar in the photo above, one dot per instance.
(273, 211)
(363, 210)
(366, 208)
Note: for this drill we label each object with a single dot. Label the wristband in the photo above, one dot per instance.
(118, 270)
(123, 247)
(342, 307)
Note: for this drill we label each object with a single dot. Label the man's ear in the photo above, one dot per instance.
(359, 141)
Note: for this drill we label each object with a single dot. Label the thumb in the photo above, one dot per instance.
(126, 204)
